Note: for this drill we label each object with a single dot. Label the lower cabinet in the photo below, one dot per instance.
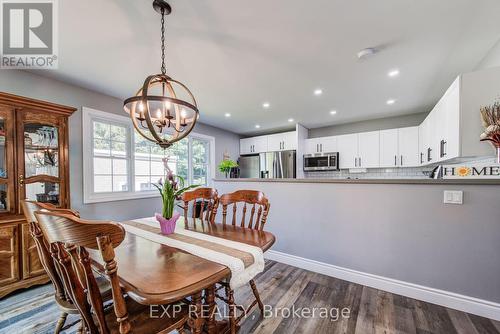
(9, 254)
(20, 265)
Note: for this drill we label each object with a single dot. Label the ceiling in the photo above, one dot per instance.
(236, 54)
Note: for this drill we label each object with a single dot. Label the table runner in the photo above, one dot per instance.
(243, 260)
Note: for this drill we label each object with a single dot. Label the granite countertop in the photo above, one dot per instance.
(372, 181)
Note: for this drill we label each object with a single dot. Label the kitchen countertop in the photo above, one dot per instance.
(372, 181)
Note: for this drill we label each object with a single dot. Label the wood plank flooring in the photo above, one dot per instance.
(370, 310)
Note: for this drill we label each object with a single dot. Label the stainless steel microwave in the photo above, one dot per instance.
(321, 161)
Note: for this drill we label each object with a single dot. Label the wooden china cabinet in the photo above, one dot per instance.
(34, 164)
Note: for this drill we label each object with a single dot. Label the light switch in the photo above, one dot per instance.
(453, 197)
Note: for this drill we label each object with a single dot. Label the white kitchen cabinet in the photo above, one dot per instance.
(448, 134)
(347, 146)
(368, 149)
(399, 147)
(282, 141)
(321, 145)
(253, 145)
(408, 147)
(389, 148)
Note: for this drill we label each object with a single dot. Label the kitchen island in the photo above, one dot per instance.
(396, 235)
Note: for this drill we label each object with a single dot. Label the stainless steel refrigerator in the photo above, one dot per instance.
(272, 165)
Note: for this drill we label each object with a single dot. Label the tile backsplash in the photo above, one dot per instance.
(387, 173)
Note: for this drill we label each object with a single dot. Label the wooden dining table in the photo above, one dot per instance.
(153, 274)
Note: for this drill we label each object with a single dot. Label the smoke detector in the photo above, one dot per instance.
(365, 53)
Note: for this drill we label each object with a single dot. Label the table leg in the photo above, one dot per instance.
(196, 315)
(232, 315)
(210, 300)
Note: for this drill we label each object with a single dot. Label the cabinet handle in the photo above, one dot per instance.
(395, 160)
(317, 148)
(321, 147)
(429, 150)
(421, 158)
(21, 180)
(442, 148)
(359, 161)
(355, 162)
(401, 160)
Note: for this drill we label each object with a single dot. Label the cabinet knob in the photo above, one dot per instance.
(20, 179)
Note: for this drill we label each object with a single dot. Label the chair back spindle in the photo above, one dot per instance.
(69, 238)
(253, 202)
(208, 200)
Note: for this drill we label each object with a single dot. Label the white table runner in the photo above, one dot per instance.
(236, 256)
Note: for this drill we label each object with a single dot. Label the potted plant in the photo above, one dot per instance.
(226, 165)
(170, 191)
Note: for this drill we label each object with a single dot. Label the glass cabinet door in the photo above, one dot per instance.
(7, 177)
(39, 159)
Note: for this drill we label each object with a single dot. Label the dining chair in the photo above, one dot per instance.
(70, 237)
(61, 296)
(256, 205)
(204, 200)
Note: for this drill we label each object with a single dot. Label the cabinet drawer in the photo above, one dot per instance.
(9, 253)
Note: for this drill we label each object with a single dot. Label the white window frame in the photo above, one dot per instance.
(89, 196)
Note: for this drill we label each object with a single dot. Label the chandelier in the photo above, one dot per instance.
(163, 110)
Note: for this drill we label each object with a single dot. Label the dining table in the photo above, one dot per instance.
(152, 273)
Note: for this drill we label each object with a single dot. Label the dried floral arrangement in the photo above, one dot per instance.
(490, 116)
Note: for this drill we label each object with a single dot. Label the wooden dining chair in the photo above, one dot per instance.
(254, 207)
(61, 296)
(70, 237)
(204, 204)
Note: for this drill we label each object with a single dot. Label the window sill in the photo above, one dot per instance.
(113, 197)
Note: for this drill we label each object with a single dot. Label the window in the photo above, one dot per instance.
(120, 164)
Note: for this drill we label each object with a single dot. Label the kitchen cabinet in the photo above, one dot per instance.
(408, 147)
(368, 149)
(321, 145)
(399, 147)
(253, 145)
(389, 148)
(359, 150)
(347, 146)
(448, 122)
(282, 141)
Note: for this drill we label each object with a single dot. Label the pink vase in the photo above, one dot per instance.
(167, 225)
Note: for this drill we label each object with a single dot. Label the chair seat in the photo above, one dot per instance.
(142, 322)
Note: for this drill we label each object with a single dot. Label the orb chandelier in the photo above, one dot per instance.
(163, 110)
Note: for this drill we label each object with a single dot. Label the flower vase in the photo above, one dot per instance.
(167, 225)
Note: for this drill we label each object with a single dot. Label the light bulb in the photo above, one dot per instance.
(158, 113)
(183, 113)
(141, 106)
(167, 104)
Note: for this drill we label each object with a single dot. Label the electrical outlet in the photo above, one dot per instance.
(453, 197)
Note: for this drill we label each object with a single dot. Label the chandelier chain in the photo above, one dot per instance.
(163, 68)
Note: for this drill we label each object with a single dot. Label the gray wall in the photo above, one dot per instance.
(404, 232)
(370, 125)
(38, 87)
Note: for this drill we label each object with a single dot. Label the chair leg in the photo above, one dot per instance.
(61, 322)
(230, 304)
(257, 296)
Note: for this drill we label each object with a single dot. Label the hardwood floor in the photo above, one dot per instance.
(370, 310)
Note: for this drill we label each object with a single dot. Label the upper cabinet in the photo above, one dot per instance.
(359, 150)
(399, 147)
(276, 142)
(253, 145)
(321, 145)
(282, 141)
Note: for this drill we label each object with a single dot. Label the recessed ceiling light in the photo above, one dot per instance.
(393, 73)
(333, 112)
(266, 105)
(318, 92)
(257, 126)
(227, 114)
(290, 119)
(391, 101)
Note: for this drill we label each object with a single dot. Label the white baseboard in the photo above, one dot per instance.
(452, 300)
